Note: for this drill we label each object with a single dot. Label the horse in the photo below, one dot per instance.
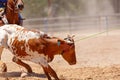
(12, 11)
(12, 14)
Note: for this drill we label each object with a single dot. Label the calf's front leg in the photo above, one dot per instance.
(50, 72)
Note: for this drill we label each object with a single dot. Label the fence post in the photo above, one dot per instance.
(106, 24)
(69, 21)
(45, 21)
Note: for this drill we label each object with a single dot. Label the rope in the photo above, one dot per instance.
(90, 36)
(96, 34)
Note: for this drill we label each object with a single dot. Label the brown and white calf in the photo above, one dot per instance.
(36, 46)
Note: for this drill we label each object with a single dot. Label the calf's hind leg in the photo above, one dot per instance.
(19, 62)
(1, 50)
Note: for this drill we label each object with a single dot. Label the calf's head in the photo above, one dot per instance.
(68, 50)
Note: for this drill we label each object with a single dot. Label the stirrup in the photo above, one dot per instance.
(4, 19)
(22, 19)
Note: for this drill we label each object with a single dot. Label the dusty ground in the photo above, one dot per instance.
(98, 58)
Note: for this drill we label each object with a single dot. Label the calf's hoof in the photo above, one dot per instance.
(3, 67)
(24, 74)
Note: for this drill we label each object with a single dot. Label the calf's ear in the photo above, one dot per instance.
(73, 36)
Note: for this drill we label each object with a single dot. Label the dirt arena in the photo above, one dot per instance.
(98, 58)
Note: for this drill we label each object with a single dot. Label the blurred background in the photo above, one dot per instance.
(72, 16)
(40, 8)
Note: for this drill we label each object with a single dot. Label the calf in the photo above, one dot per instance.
(36, 46)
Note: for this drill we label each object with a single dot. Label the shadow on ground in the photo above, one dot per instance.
(17, 74)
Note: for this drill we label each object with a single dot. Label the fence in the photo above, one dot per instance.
(73, 24)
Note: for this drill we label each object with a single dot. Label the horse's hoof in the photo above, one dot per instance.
(24, 74)
(3, 67)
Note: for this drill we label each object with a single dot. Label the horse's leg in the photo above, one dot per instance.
(48, 70)
(19, 62)
(3, 67)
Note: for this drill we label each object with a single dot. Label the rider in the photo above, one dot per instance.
(3, 4)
